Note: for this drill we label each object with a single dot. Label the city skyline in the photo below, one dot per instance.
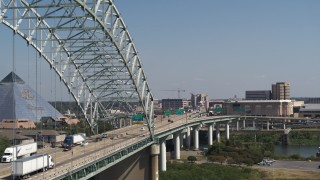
(224, 48)
(221, 48)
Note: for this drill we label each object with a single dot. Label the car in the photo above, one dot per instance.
(142, 135)
(142, 129)
(98, 139)
(104, 135)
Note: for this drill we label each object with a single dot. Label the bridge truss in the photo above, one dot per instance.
(88, 45)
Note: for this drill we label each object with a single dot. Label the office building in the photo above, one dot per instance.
(261, 107)
(310, 110)
(258, 95)
(281, 91)
(308, 100)
(172, 104)
(200, 101)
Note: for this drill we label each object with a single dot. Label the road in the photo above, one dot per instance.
(79, 155)
(299, 165)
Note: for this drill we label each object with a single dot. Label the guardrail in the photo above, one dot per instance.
(98, 165)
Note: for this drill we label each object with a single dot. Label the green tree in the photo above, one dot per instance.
(4, 143)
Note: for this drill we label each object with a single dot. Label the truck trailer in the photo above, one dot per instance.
(23, 168)
(75, 139)
(19, 151)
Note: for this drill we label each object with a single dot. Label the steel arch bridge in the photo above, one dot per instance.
(87, 44)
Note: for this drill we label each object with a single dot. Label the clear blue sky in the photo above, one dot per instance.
(221, 48)
(224, 48)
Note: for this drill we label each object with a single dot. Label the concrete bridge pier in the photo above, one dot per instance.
(196, 138)
(218, 132)
(244, 123)
(181, 140)
(284, 124)
(120, 123)
(268, 124)
(163, 156)
(155, 151)
(176, 139)
(227, 130)
(188, 138)
(254, 123)
(210, 134)
(238, 125)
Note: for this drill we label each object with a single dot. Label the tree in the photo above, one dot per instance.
(4, 143)
(192, 158)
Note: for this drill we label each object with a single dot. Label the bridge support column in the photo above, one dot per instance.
(254, 123)
(268, 124)
(244, 123)
(210, 135)
(163, 155)
(227, 131)
(188, 138)
(155, 151)
(177, 145)
(218, 132)
(120, 123)
(181, 141)
(284, 124)
(196, 138)
(237, 125)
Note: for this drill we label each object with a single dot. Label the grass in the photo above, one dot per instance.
(269, 173)
(207, 171)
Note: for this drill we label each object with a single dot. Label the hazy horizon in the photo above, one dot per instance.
(221, 48)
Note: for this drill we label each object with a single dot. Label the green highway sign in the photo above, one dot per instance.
(167, 113)
(218, 109)
(240, 109)
(138, 117)
(179, 112)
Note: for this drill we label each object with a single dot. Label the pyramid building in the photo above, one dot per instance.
(18, 101)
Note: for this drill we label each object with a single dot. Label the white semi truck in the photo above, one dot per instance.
(75, 139)
(23, 168)
(19, 151)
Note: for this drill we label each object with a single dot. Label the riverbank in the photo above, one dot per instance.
(280, 169)
(285, 173)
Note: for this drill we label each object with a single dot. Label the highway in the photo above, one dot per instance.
(118, 139)
(80, 155)
(299, 165)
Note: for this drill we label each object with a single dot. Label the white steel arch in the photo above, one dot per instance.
(87, 44)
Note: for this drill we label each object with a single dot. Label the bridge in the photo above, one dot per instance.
(178, 128)
(134, 142)
(89, 48)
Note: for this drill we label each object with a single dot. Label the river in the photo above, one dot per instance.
(303, 151)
